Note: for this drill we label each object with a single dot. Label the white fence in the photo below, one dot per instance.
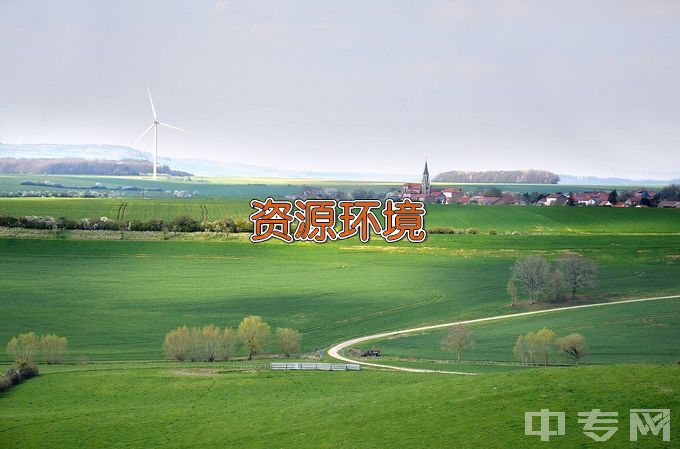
(315, 366)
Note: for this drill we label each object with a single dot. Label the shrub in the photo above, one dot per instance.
(9, 221)
(472, 231)
(493, 232)
(185, 223)
(244, 226)
(225, 224)
(5, 384)
(26, 369)
(65, 223)
(13, 375)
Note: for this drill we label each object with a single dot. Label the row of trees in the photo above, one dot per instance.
(27, 347)
(536, 347)
(210, 343)
(534, 276)
(182, 223)
(533, 348)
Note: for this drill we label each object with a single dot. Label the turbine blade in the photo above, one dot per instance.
(143, 134)
(173, 127)
(153, 109)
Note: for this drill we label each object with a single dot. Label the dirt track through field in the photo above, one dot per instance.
(335, 350)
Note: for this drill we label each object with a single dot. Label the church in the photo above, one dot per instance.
(422, 191)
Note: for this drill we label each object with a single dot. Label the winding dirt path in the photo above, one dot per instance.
(335, 350)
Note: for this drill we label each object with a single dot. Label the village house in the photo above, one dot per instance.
(554, 199)
(668, 204)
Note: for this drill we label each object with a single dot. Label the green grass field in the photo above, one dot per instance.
(503, 219)
(116, 299)
(645, 332)
(159, 406)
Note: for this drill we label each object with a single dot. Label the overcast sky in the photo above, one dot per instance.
(578, 87)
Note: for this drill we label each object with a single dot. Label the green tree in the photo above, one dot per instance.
(520, 350)
(254, 333)
(545, 342)
(229, 340)
(288, 341)
(613, 196)
(53, 348)
(24, 347)
(211, 341)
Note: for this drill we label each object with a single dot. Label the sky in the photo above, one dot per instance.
(575, 87)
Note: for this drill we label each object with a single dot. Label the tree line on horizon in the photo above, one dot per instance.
(499, 177)
(73, 166)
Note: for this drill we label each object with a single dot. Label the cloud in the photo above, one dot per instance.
(454, 11)
(219, 8)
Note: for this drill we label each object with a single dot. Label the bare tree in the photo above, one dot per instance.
(574, 347)
(53, 347)
(288, 341)
(24, 347)
(579, 272)
(253, 332)
(511, 288)
(531, 274)
(557, 285)
(458, 339)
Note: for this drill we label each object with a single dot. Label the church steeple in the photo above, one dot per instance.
(425, 187)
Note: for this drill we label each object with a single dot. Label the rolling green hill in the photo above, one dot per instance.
(160, 406)
(644, 332)
(116, 299)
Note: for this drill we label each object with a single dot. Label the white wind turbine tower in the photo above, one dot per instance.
(154, 125)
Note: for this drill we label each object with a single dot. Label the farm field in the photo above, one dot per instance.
(159, 407)
(504, 219)
(116, 299)
(248, 188)
(644, 332)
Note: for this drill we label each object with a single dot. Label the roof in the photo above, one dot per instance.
(425, 172)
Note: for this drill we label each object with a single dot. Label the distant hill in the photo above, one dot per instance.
(500, 177)
(58, 151)
(72, 166)
(201, 167)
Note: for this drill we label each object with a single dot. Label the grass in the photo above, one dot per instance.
(504, 219)
(248, 188)
(115, 300)
(645, 332)
(161, 407)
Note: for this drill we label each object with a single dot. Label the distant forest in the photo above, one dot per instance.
(83, 167)
(502, 177)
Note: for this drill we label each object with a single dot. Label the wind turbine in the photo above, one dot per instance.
(154, 126)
